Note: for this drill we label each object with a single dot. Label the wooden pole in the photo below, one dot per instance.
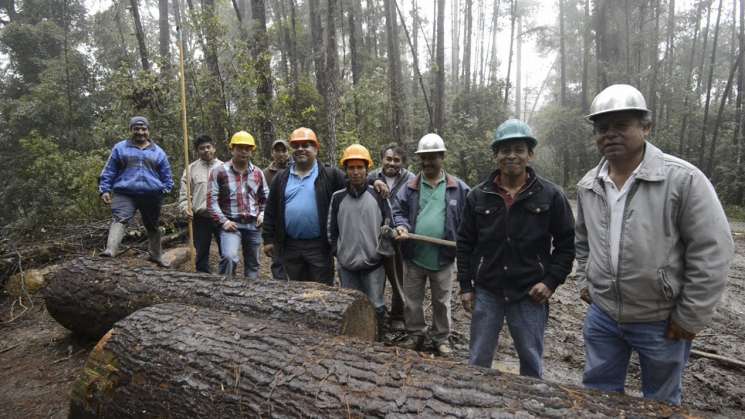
(185, 127)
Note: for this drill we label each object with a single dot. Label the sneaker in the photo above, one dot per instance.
(444, 348)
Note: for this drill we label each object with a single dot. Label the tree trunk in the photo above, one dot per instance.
(316, 35)
(467, 36)
(439, 98)
(371, 13)
(455, 42)
(654, 63)
(88, 295)
(164, 38)
(715, 136)
(140, 34)
(562, 54)
(332, 75)
(214, 91)
(395, 85)
(493, 61)
(669, 61)
(518, 68)
(173, 360)
(586, 42)
(740, 119)
(264, 89)
(513, 15)
(682, 146)
(702, 144)
(417, 72)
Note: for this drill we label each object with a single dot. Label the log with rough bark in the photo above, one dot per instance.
(174, 360)
(88, 295)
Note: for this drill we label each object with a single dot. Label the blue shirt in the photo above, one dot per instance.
(301, 210)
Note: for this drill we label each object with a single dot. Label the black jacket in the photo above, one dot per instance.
(510, 250)
(329, 180)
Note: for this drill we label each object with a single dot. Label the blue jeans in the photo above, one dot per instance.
(248, 237)
(608, 347)
(371, 283)
(526, 320)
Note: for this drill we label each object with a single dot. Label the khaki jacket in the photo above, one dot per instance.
(675, 247)
(199, 171)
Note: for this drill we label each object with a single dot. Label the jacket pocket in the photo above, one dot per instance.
(667, 289)
(537, 207)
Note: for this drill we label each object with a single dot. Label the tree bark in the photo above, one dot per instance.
(702, 143)
(682, 146)
(316, 35)
(332, 75)
(562, 54)
(493, 61)
(586, 42)
(439, 98)
(215, 88)
(513, 16)
(140, 34)
(455, 41)
(417, 72)
(654, 63)
(740, 119)
(715, 136)
(88, 295)
(264, 89)
(467, 37)
(174, 360)
(164, 38)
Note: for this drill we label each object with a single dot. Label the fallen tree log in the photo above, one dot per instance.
(88, 295)
(183, 361)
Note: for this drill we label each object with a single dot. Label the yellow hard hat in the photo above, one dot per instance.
(356, 152)
(242, 137)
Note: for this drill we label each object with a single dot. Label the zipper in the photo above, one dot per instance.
(630, 195)
(540, 263)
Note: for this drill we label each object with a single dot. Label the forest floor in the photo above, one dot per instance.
(40, 360)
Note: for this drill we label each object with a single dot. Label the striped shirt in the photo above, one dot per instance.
(235, 196)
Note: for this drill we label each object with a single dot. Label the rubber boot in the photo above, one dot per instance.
(229, 270)
(156, 254)
(116, 234)
(380, 317)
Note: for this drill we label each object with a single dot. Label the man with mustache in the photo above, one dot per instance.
(431, 205)
(203, 225)
(236, 201)
(653, 248)
(515, 247)
(136, 177)
(393, 172)
(280, 160)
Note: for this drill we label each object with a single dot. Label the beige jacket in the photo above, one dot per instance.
(675, 249)
(199, 172)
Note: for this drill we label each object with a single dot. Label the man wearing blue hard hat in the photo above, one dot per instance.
(515, 246)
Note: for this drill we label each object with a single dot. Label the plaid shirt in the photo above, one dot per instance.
(234, 196)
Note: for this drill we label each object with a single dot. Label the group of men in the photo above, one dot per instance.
(650, 237)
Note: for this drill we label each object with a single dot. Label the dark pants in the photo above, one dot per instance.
(204, 230)
(278, 269)
(124, 206)
(308, 260)
(394, 271)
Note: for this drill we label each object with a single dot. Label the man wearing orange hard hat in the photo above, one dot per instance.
(356, 214)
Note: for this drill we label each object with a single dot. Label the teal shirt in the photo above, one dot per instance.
(430, 222)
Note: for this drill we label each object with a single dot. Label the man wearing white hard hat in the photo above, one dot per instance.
(430, 205)
(653, 248)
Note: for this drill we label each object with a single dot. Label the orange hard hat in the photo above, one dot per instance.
(356, 152)
(304, 134)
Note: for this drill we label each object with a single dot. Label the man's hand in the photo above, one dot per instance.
(382, 188)
(189, 213)
(467, 300)
(403, 233)
(540, 293)
(106, 198)
(584, 295)
(269, 250)
(260, 219)
(229, 226)
(675, 332)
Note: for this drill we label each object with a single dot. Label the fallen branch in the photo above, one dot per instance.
(723, 359)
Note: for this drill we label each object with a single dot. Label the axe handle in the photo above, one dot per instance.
(431, 240)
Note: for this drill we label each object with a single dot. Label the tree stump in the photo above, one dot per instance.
(174, 360)
(88, 295)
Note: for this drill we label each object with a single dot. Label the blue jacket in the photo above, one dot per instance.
(406, 210)
(134, 171)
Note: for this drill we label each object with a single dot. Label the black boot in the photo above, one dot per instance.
(380, 319)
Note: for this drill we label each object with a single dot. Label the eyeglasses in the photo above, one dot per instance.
(602, 127)
(303, 145)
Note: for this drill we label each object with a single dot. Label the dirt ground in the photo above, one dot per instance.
(40, 360)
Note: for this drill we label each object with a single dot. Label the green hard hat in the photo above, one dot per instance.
(513, 129)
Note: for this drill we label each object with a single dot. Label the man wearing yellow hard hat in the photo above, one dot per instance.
(356, 214)
(237, 195)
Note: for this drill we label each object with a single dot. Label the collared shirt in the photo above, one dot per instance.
(235, 196)
(199, 172)
(505, 194)
(301, 210)
(616, 205)
(430, 222)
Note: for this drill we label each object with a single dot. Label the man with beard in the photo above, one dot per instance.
(515, 247)
(236, 201)
(297, 212)
(431, 205)
(356, 214)
(393, 172)
(135, 178)
(203, 225)
(653, 247)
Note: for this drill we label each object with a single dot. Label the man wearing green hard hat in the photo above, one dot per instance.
(515, 246)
